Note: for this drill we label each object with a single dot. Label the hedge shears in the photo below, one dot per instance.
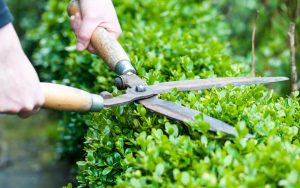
(66, 98)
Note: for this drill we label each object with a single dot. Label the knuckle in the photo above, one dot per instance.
(24, 115)
(28, 107)
(38, 98)
(37, 109)
(41, 101)
(118, 32)
(13, 109)
(83, 36)
(92, 17)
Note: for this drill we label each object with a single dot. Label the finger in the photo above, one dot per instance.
(36, 110)
(92, 49)
(40, 99)
(76, 22)
(7, 113)
(72, 18)
(84, 34)
(113, 28)
(27, 113)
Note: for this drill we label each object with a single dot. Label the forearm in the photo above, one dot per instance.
(20, 91)
(9, 43)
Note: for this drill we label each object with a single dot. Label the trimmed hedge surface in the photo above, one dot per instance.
(129, 146)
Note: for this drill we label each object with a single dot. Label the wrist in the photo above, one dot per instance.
(10, 43)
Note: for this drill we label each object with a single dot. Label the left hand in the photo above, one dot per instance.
(94, 13)
(20, 91)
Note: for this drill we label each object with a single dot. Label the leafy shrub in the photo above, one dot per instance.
(59, 62)
(128, 146)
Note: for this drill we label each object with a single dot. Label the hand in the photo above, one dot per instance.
(20, 91)
(94, 13)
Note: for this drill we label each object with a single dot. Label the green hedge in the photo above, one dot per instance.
(129, 146)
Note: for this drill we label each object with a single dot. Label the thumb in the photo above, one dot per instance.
(85, 33)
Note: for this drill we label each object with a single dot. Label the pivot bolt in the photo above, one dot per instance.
(120, 83)
(140, 88)
(106, 95)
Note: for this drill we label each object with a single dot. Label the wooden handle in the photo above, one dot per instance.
(65, 98)
(107, 46)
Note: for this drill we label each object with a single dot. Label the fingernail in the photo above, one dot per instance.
(80, 47)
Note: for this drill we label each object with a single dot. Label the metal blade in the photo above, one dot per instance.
(184, 114)
(130, 96)
(185, 85)
(188, 85)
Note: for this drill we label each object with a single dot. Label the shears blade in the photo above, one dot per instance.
(185, 85)
(189, 85)
(178, 112)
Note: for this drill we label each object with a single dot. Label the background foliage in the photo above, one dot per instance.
(26, 15)
(271, 42)
(129, 146)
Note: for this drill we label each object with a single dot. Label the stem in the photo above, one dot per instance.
(291, 34)
(253, 45)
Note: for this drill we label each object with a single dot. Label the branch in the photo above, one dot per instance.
(291, 34)
(253, 44)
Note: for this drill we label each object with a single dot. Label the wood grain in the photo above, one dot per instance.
(65, 98)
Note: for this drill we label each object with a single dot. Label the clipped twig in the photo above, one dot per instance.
(291, 34)
(253, 44)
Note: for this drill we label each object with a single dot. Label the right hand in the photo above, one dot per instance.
(20, 91)
(94, 13)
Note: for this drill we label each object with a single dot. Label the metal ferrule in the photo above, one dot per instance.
(97, 103)
(123, 67)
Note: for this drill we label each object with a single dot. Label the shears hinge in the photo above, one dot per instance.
(130, 80)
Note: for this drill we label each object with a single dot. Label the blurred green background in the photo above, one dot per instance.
(271, 41)
(27, 153)
(272, 59)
